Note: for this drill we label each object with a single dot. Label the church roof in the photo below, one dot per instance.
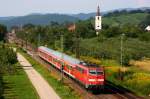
(98, 11)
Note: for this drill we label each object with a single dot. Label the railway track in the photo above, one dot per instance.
(111, 91)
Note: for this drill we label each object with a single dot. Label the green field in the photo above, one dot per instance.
(64, 91)
(18, 86)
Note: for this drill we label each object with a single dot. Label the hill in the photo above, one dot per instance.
(122, 19)
(6, 18)
(37, 19)
(85, 16)
(112, 18)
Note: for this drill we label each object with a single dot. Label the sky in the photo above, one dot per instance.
(24, 7)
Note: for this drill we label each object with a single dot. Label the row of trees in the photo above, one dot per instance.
(118, 12)
(50, 34)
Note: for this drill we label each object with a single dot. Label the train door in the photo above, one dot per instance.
(80, 74)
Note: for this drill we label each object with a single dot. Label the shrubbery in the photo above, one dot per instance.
(7, 58)
(139, 82)
(134, 79)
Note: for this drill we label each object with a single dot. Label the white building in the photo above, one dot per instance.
(98, 21)
(147, 28)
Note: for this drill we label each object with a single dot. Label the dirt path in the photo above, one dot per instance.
(41, 86)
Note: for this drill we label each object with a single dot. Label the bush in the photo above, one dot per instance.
(139, 82)
(145, 36)
(1, 87)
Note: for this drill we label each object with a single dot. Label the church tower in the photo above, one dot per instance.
(98, 21)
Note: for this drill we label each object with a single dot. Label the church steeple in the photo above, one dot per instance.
(98, 21)
(98, 11)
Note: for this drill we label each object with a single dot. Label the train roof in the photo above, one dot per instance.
(59, 55)
(67, 58)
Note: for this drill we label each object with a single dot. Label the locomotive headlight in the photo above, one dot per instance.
(92, 80)
(100, 79)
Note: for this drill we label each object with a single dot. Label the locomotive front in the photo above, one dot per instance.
(96, 77)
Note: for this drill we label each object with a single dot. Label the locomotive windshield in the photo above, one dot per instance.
(95, 72)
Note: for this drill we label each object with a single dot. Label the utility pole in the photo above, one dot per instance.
(62, 50)
(26, 39)
(39, 39)
(121, 54)
(72, 28)
(121, 48)
(77, 40)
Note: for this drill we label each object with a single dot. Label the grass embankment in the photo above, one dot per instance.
(133, 79)
(64, 91)
(17, 85)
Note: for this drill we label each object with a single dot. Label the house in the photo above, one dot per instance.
(147, 28)
(72, 27)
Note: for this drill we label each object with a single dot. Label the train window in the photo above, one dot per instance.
(59, 62)
(55, 60)
(100, 73)
(69, 67)
(94, 72)
(62, 63)
(80, 69)
(50, 57)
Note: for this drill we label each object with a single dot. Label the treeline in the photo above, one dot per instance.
(126, 11)
(50, 34)
(136, 39)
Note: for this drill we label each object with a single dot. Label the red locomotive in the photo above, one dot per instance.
(89, 75)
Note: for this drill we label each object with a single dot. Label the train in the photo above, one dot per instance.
(90, 75)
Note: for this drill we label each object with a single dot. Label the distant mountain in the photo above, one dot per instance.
(44, 19)
(85, 16)
(6, 18)
(37, 19)
(142, 9)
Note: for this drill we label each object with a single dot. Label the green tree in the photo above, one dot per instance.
(145, 22)
(3, 31)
